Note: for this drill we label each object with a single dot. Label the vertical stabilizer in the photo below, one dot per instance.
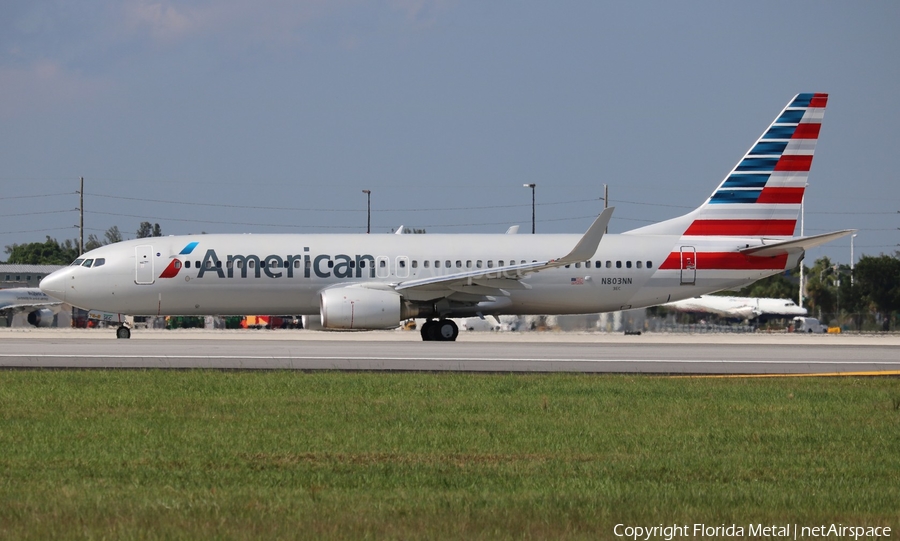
(761, 196)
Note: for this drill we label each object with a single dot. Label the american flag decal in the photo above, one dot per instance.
(577, 281)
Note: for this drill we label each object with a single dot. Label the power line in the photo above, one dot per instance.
(35, 196)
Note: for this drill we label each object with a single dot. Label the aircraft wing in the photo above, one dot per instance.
(493, 281)
(792, 245)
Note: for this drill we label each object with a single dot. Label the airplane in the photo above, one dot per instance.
(743, 232)
(741, 308)
(19, 299)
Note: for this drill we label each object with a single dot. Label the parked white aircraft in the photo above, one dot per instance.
(31, 300)
(739, 307)
(741, 233)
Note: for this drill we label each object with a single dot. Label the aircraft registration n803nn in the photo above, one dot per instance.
(743, 232)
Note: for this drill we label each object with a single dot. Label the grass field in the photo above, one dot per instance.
(265, 455)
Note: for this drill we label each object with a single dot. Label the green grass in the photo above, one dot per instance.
(263, 455)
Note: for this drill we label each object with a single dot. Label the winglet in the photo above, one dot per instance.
(587, 246)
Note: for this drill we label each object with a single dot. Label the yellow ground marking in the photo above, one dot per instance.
(812, 375)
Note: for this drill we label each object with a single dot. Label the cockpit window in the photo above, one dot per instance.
(99, 261)
(77, 262)
(87, 263)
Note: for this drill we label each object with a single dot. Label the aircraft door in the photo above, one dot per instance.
(402, 266)
(688, 265)
(143, 264)
(382, 264)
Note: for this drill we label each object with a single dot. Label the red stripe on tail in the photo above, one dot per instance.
(794, 162)
(742, 228)
(807, 131)
(781, 195)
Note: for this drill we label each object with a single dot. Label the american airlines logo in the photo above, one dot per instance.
(274, 266)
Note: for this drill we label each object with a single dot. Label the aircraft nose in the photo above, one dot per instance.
(55, 284)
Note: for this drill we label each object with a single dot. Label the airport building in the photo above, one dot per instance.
(24, 275)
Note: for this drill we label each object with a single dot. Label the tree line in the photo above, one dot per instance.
(54, 252)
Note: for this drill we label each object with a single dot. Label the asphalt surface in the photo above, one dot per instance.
(679, 354)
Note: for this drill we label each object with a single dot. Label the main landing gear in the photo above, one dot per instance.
(123, 332)
(442, 330)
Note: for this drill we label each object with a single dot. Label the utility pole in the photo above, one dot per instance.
(81, 218)
(532, 185)
(606, 203)
(368, 210)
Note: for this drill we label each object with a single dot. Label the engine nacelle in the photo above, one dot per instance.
(41, 317)
(360, 308)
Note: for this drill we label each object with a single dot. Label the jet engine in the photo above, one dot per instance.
(362, 308)
(41, 317)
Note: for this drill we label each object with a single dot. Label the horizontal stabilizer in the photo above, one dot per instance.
(792, 245)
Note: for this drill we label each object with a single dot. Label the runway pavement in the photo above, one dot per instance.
(682, 354)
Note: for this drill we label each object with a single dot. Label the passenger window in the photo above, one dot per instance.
(218, 264)
(577, 265)
(478, 264)
(638, 263)
(618, 264)
(649, 264)
(87, 263)
(500, 263)
(297, 263)
(177, 264)
(628, 264)
(490, 263)
(99, 262)
(362, 264)
(426, 263)
(208, 264)
(469, 264)
(250, 264)
(415, 264)
(458, 264)
(447, 263)
(596, 264)
(229, 264)
(187, 264)
(437, 264)
(197, 264)
(609, 264)
(353, 265)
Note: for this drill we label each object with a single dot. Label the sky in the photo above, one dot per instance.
(227, 116)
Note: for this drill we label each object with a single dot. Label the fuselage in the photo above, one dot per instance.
(284, 274)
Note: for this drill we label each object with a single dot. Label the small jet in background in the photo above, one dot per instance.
(741, 308)
(23, 299)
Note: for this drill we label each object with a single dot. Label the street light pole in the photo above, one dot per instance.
(802, 281)
(368, 210)
(853, 236)
(532, 185)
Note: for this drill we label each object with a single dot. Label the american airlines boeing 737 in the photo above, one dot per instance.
(741, 233)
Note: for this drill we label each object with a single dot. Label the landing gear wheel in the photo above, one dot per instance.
(123, 333)
(427, 331)
(447, 330)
